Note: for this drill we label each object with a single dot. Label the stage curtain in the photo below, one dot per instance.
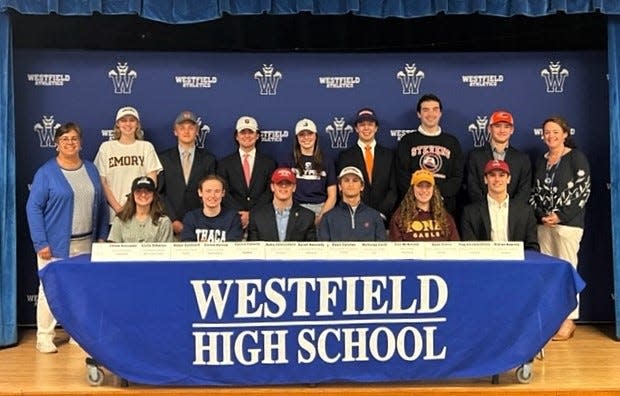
(8, 283)
(189, 11)
(613, 50)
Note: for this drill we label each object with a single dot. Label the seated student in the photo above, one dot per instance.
(282, 219)
(497, 217)
(141, 218)
(421, 215)
(351, 219)
(211, 223)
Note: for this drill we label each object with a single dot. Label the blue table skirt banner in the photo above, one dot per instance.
(257, 322)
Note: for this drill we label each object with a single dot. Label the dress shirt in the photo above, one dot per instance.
(251, 157)
(282, 221)
(498, 213)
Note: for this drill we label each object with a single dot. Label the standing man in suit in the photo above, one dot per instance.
(376, 163)
(430, 148)
(184, 166)
(501, 127)
(246, 171)
(282, 219)
(498, 217)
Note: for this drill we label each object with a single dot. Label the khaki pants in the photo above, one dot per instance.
(563, 242)
(46, 322)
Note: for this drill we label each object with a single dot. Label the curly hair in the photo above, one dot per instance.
(409, 211)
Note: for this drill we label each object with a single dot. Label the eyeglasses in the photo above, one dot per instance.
(65, 140)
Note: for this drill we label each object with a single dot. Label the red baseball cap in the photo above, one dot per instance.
(496, 165)
(283, 174)
(501, 116)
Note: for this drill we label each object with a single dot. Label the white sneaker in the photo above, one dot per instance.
(46, 347)
(72, 341)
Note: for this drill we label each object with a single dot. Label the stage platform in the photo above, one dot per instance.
(588, 364)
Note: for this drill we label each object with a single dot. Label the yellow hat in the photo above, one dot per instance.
(422, 175)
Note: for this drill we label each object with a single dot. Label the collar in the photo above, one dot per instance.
(502, 204)
(252, 153)
(284, 210)
(494, 149)
(182, 149)
(427, 133)
(362, 145)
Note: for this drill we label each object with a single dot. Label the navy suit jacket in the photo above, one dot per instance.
(178, 197)
(238, 195)
(300, 226)
(476, 223)
(520, 165)
(381, 194)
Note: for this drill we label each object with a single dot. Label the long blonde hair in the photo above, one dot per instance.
(409, 211)
(138, 133)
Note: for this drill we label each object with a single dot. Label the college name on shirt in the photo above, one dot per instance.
(309, 173)
(425, 229)
(126, 160)
(430, 149)
(210, 235)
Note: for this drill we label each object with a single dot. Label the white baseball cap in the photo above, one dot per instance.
(125, 111)
(351, 170)
(305, 124)
(246, 122)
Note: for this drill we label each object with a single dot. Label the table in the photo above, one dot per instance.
(281, 322)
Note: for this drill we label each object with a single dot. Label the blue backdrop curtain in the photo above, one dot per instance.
(8, 305)
(613, 51)
(191, 11)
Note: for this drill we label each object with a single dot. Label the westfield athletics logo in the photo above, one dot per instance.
(339, 132)
(410, 79)
(268, 78)
(478, 131)
(122, 78)
(46, 129)
(203, 131)
(554, 77)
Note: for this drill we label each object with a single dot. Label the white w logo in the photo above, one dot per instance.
(410, 79)
(268, 80)
(203, 131)
(554, 77)
(46, 130)
(339, 133)
(122, 78)
(479, 131)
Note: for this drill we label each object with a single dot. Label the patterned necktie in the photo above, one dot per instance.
(369, 161)
(187, 165)
(246, 169)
